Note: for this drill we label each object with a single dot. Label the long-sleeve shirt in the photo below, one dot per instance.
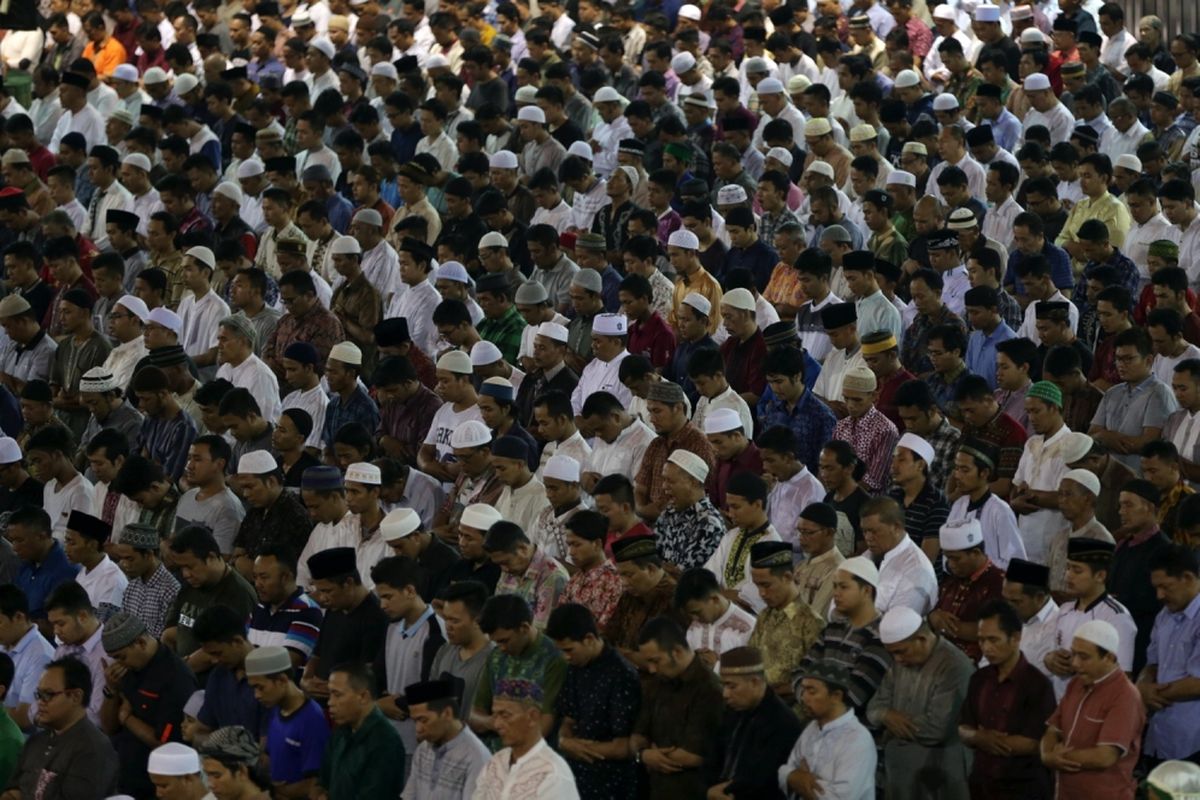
(841, 754)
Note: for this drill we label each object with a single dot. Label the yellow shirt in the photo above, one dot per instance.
(1106, 208)
(704, 285)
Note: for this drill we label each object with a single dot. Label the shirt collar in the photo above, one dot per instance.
(1047, 611)
(840, 722)
(408, 630)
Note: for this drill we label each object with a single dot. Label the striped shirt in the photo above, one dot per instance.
(166, 441)
(293, 624)
(858, 649)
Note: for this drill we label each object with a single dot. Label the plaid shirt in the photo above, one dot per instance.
(944, 439)
(1010, 310)
(811, 421)
(504, 332)
(148, 600)
(914, 352)
(873, 437)
(1127, 276)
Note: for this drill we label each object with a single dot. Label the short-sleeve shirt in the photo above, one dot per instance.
(1109, 712)
(296, 743)
(1129, 409)
(602, 700)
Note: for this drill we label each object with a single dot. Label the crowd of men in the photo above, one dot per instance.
(599, 399)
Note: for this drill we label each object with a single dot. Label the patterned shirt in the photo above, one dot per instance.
(319, 327)
(688, 537)
(859, 650)
(1005, 434)
(540, 586)
(598, 589)
(285, 522)
(448, 771)
(166, 442)
(602, 699)
(149, 600)
(944, 439)
(504, 332)
(540, 662)
(654, 459)
(634, 611)
(914, 351)
(294, 624)
(926, 515)
(810, 420)
(783, 636)
(873, 437)
(964, 597)
(359, 408)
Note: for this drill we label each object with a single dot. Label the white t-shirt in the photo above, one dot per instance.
(445, 421)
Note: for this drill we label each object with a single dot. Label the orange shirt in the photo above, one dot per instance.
(110, 55)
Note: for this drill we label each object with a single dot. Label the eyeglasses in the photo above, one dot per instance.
(44, 696)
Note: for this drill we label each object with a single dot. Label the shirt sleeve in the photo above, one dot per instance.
(1122, 724)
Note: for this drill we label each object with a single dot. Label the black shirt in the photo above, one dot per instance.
(291, 478)
(77, 764)
(1129, 582)
(851, 507)
(356, 636)
(602, 700)
(486, 573)
(157, 695)
(437, 560)
(753, 745)
(567, 134)
(27, 495)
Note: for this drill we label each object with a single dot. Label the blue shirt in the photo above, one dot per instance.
(610, 285)
(229, 700)
(296, 744)
(360, 408)
(811, 421)
(29, 657)
(1175, 650)
(856, 236)
(1060, 267)
(758, 258)
(981, 352)
(340, 210)
(37, 581)
(1006, 130)
(678, 370)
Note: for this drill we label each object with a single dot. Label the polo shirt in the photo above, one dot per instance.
(1109, 712)
(294, 624)
(156, 695)
(37, 581)
(296, 742)
(1129, 409)
(1018, 706)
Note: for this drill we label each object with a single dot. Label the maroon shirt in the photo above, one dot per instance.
(653, 339)
(964, 597)
(749, 460)
(744, 363)
(887, 396)
(1019, 705)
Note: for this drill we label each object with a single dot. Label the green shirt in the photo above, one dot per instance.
(11, 742)
(364, 764)
(504, 332)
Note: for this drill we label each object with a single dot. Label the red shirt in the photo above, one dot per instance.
(653, 339)
(1109, 712)
(1145, 305)
(887, 396)
(964, 597)
(639, 529)
(42, 160)
(744, 363)
(749, 460)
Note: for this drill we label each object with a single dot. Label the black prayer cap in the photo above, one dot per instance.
(335, 562)
(392, 332)
(838, 314)
(1027, 573)
(764, 555)
(89, 526)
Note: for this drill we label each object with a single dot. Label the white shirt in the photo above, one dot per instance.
(1001, 536)
(998, 224)
(726, 399)
(1107, 608)
(346, 532)
(127, 510)
(1140, 237)
(255, 375)
(144, 205)
(829, 383)
(315, 402)
(441, 148)
(86, 121)
(574, 446)
(560, 33)
(1189, 252)
(45, 113)
(1118, 142)
(976, 178)
(416, 305)
(445, 420)
(1041, 468)
(319, 83)
(200, 319)
(746, 589)
(1163, 367)
(1186, 435)
(123, 358)
(906, 578)
(320, 157)
(609, 135)
(1029, 324)
(622, 456)
(58, 502)
(790, 113)
(601, 376)
(788, 498)
(841, 754)
(816, 341)
(105, 584)
(1058, 120)
(731, 629)
(558, 217)
(523, 504)
(935, 71)
(1037, 636)
(1112, 52)
(381, 267)
(955, 284)
(541, 774)
(104, 99)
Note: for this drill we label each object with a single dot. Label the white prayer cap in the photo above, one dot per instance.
(861, 567)
(173, 760)
(230, 191)
(139, 160)
(167, 318)
(756, 64)
(185, 83)
(363, 472)
(863, 132)
(722, 420)
(943, 11)
(1085, 478)
(471, 433)
(484, 352)
(153, 76)
(770, 86)
(204, 255)
(986, 12)
(899, 177)
(821, 168)
(455, 361)
(797, 84)
(532, 114)
(526, 95)
(250, 168)
(347, 353)
(554, 331)
(437, 60)
(561, 468)
(906, 78)
(606, 94)
(781, 155)
(582, 149)
(689, 11)
(503, 159)
(1020, 12)
(1037, 82)
(399, 523)
(610, 325)
(10, 451)
(322, 45)
(739, 298)
(919, 446)
(479, 516)
(493, 239)
(368, 216)
(960, 534)
(384, 69)
(898, 624)
(684, 61)
(685, 239)
(136, 306)
(1100, 633)
(690, 463)
(818, 126)
(257, 462)
(452, 271)
(302, 19)
(859, 379)
(1032, 36)
(731, 195)
(945, 102)
(96, 380)
(1129, 161)
(698, 302)
(1074, 446)
(345, 246)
